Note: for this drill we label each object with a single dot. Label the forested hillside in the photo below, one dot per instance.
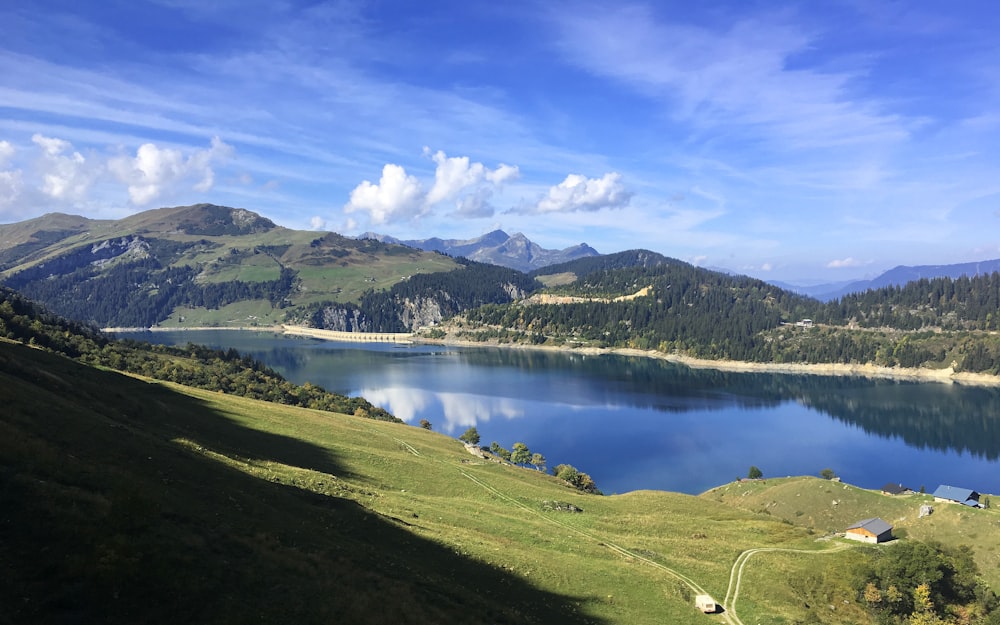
(936, 323)
(686, 309)
(964, 303)
(225, 371)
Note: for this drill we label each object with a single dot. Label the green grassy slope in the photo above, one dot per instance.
(826, 506)
(125, 500)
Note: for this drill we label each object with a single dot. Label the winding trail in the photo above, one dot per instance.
(736, 573)
(729, 614)
(690, 583)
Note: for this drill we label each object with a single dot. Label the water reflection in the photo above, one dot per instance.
(645, 423)
(460, 411)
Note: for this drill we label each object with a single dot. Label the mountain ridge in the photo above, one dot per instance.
(897, 276)
(515, 251)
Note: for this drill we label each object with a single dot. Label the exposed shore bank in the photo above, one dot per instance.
(947, 375)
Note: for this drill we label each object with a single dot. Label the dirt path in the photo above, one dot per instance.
(729, 614)
(687, 581)
(736, 573)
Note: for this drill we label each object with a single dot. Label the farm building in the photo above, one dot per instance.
(705, 603)
(873, 530)
(895, 489)
(952, 494)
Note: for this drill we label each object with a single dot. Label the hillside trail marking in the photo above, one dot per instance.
(622, 551)
(410, 448)
(729, 614)
(736, 573)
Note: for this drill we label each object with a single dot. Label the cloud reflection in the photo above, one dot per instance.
(459, 410)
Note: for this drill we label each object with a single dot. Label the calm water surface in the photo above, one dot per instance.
(639, 423)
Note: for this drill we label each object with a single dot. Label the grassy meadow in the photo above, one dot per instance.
(128, 500)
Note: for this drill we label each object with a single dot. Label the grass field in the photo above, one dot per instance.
(828, 506)
(127, 500)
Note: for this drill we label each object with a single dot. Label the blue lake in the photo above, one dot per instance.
(640, 423)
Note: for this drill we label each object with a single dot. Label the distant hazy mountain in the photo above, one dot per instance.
(497, 248)
(896, 276)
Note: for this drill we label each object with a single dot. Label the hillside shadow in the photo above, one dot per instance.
(106, 520)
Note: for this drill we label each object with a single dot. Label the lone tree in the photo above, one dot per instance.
(538, 461)
(424, 423)
(471, 436)
(520, 454)
(754, 473)
(827, 474)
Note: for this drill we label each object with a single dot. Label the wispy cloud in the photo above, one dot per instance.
(845, 263)
(739, 77)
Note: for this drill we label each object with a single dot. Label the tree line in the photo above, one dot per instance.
(216, 370)
(520, 455)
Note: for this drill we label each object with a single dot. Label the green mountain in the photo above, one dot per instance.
(196, 265)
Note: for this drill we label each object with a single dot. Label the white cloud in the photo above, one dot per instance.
(401, 196)
(456, 174)
(7, 152)
(10, 181)
(317, 223)
(842, 263)
(64, 176)
(157, 171)
(10, 187)
(578, 193)
(503, 173)
(397, 195)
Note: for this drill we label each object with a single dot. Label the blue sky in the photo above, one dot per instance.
(793, 141)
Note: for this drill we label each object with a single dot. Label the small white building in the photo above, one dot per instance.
(705, 603)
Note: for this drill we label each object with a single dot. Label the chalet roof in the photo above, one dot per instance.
(894, 489)
(874, 525)
(953, 493)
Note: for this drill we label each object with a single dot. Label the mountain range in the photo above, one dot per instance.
(208, 265)
(897, 276)
(515, 251)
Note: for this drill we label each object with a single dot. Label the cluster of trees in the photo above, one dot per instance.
(521, 455)
(227, 371)
(926, 583)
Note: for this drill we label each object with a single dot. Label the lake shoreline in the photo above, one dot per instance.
(940, 376)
